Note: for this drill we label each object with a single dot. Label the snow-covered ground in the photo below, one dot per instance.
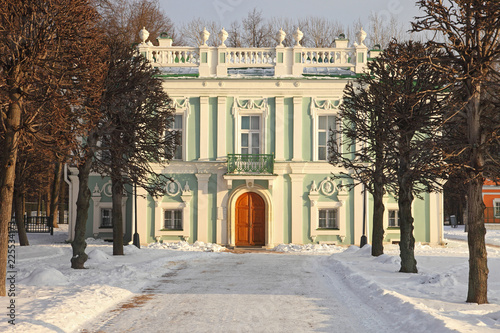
(200, 288)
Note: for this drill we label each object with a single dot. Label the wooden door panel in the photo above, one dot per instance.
(250, 220)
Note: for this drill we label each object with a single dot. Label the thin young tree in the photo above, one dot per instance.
(136, 115)
(468, 31)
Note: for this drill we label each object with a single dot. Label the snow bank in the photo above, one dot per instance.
(308, 248)
(185, 246)
(45, 277)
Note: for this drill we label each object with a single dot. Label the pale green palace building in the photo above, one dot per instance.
(252, 166)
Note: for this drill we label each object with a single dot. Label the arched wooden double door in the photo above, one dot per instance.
(250, 220)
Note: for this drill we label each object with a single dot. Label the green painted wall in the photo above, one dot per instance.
(288, 127)
(271, 126)
(307, 130)
(212, 128)
(193, 126)
(230, 126)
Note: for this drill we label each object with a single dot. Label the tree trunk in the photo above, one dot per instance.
(405, 199)
(7, 176)
(117, 216)
(54, 193)
(62, 202)
(478, 265)
(378, 222)
(19, 210)
(82, 207)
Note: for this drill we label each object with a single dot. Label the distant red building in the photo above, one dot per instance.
(491, 198)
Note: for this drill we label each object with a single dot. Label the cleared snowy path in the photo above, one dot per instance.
(246, 293)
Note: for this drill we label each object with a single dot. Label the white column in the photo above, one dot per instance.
(204, 119)
(142, 222)
(297, 129)
(358, 214)
(221, 128)
(203, 206)
(435, 218)
(279, 130)
(297, 207)
(278, 198)
(73, 196)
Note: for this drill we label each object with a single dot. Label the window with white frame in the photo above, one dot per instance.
(172, 219)
(176, 126)
(327, 219)
(496, 207)
(393, 217)
(326, 126)
(250, 135)
(106, 218)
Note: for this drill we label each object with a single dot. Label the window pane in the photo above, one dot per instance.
(255, 151)
(178, 121)
(255, 140)
(244, 140)
(322, 122)
(331, 122)
(244, 151)
(322, 138)
(178, 153)
(245, 122)
(322, 153)
(255, 122)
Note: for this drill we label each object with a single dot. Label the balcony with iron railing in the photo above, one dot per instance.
(210, 61)
(250, 164)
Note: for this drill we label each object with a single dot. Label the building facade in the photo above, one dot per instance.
(252, 167)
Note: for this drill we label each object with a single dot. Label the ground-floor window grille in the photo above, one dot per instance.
(328, 219)
(173, 220)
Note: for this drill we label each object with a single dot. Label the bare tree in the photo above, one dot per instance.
(191, 32)
(320, 32)
(472, 47)
(234, 38)
(287, 25)
(382, 32)
(257, 32)
(125, 18)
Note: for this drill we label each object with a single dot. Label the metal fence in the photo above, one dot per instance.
(491, 215)
(34, 224)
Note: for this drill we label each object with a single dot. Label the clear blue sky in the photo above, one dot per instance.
(346, 11)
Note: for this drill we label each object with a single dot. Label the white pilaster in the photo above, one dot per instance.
(203, 206)
(297, 207)
(297, 129)
(358, 214)
(221, 228)
(73, 196)
(279, 131)
(142, 222)
(204, 123)
(278, 198)
(221, 128)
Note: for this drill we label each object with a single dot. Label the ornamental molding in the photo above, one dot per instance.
(327, 187)
(325, 105)
(251, 105)
(181, 104)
